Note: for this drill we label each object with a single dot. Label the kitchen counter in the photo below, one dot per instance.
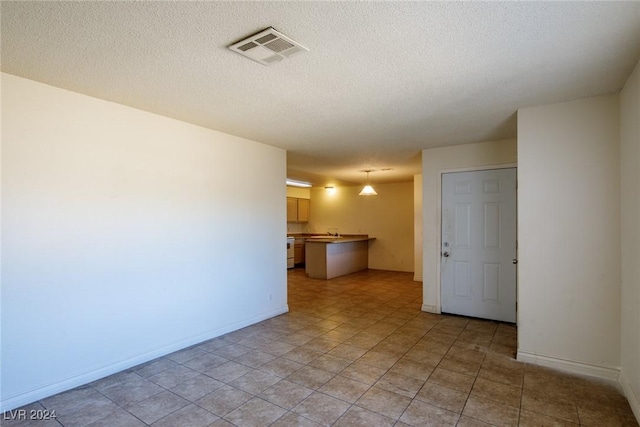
(329, 257)
(338, 239)
(315, 236)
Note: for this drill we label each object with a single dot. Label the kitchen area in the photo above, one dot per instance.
(332, 231)
(326, 255)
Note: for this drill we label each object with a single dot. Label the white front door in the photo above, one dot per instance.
(478, 253)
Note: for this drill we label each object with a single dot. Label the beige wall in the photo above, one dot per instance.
(125, 239)
(388, 217)
(299, 192)
(569, 235)
(435, 161)
(417, 228)
(630, 185)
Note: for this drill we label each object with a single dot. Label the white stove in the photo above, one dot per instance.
(290, 252)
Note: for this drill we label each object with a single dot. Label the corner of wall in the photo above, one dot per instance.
(605, 373)
(630, 241)
(430, 309)
(632, 397)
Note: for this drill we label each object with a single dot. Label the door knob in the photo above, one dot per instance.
(514, 261)
(445, 254)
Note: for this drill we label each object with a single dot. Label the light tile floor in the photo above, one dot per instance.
(352, 351)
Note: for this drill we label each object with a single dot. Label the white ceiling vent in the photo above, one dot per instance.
(268, 47)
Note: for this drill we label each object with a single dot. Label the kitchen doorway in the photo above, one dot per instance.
(479, 244)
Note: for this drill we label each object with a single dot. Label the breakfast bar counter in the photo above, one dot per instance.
(330, 256)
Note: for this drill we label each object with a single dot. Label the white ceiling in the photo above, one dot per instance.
(381, 80)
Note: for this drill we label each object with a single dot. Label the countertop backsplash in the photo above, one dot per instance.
(295, 227)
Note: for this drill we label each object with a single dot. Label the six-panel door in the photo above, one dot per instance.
(478, 253)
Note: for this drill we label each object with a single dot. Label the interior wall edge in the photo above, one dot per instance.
(430, 309)
(630, 241)
(14, 402)
(602, 372)
(634, 400)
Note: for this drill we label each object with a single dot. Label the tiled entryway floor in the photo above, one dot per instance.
(352, 351)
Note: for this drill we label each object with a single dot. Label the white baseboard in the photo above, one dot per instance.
(605, 373)
(430, 309)
(69, 383)
(632, 397)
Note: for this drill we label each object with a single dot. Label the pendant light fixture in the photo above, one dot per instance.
(368, 189)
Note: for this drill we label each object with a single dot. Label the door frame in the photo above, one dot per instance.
(439, 222)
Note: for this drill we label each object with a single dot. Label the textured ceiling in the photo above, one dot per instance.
(381, 80)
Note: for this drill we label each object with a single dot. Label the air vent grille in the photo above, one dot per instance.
(267, 38)
(278, 45)
(247, 46)
(268, 47)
